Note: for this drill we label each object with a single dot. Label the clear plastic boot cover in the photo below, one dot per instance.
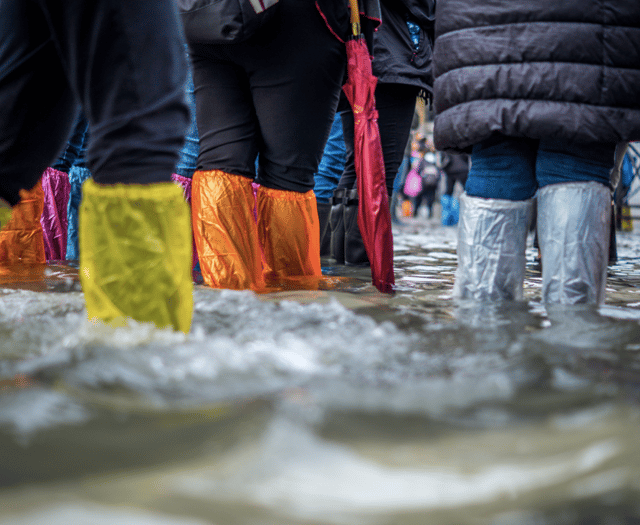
(573, 230)
(492, 238)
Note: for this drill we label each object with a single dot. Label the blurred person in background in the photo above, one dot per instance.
(426, 167)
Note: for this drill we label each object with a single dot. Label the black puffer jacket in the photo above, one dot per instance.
(566, 69)
(395, 60)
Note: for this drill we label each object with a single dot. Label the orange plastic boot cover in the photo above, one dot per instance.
(289, 231)
(21, 239)
(225, 230)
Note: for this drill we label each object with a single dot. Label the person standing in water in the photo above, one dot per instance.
(541, 93)
(123, 64)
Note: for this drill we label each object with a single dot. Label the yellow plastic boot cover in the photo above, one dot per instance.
(5, 213)
(289, 231)
(21, 237)
(225, 230)
(135, 254)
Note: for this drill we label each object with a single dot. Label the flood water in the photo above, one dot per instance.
(325, 407)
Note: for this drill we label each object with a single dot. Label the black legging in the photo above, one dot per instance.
(396, 105)
(274, 95)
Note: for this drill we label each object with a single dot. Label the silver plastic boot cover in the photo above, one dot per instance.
(492, 239)
(573, 231)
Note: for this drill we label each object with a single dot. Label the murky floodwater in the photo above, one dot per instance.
(326, 407)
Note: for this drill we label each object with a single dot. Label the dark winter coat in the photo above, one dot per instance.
(395, 59)
(566, 69)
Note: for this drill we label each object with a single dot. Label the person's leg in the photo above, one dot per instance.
(295, 80)
(574, 217)
(36, 115)
(398, 184)
(74, 151)
(112, 52)
(417, 201)
(346, 184)
(223, 204)
(494, 220)
(326, 180)
(396, 104)
(188, 162)
(430, 197)
(450, 182)
(133, 236)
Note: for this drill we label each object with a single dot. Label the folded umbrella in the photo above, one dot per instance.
(374, 218)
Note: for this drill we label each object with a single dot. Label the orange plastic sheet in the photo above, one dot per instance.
(225, 230)
(135, 254)
(21, 238)
(289, 231)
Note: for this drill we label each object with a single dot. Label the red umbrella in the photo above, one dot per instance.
(374, 218)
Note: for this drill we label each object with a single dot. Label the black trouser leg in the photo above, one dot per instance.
(38, 107)
(105, 56)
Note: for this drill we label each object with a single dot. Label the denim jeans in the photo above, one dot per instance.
(514, 168)
(332, 163)
(121, 61)
(188, 162)
(75, 149)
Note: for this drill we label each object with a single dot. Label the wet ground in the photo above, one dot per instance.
(325, 407)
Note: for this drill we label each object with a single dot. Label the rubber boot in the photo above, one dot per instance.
(54, 220)
(324, 209)
(289, 233)
(77, 176)
(225, 230)
(135, 254)
(21, 237)
(492, 238)
(573, 231)
(354, 250)
(336, 224)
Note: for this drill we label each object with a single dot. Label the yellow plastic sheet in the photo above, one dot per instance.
(135, 254)
(225, 230)
(5, 215)
(21, 237)
(289, 231)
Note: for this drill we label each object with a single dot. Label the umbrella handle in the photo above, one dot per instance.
(355, 17)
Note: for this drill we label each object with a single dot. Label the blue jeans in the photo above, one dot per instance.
(75, 149)
(514, 168)
(188, 161)
(332, 163)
